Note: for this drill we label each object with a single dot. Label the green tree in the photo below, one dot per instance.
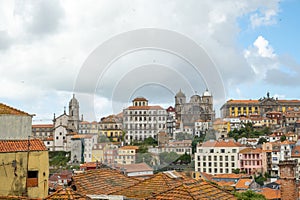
(262, 140)
(260, 179)
(282, 138)
(249, 195)
(143, 149)
(185, 158)
(236, 171)
(150, 141)
(195, 141)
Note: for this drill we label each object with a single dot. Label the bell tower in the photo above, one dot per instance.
(73, 122)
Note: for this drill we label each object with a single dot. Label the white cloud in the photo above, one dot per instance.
(46, 42)
(261, 57)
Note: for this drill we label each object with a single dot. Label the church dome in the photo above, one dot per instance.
(206, 93)
(180, 94)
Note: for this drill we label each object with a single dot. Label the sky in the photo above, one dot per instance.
(108, 52)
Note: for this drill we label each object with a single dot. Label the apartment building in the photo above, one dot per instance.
(142, 121)
(217, 156)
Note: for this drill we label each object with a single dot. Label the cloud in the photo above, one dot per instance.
(261, 57)
(262, 18)
(45, 43)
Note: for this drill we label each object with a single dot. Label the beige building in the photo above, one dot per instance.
(261, 106)
(25, 168)
(142, 121)
(14, 123)
(126, 155)
(217, 156)
(111, 127)
(42, 131)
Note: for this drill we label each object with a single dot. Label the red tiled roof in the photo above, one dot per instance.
(296, 152)
(243, 183)
(42, 126)
(156, 184)
(270, 193)
(67, 193)
(233, 176)
(145, 108)
(22, 145)
(101, 181)
(194, 190)
(7, 110)
(242, 101)
(138, 167)
(251, 150)
(223, 143)
(129, 147)
(140, 99)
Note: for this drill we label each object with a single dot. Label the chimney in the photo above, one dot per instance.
(288, 188)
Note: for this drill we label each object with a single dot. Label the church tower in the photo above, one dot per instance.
(73, 122)
(180, 100)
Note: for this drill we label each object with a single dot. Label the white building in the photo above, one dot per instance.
(201, 127)
(142, 121)
(217, 157)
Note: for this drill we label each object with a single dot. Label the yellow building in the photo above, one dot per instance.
(127, 154)
(24, 168)
(261, 106)
(111, 127)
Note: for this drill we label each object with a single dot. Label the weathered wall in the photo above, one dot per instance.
(13, 176)
(15, 126)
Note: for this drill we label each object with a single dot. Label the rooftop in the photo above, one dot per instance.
(7, 110)
(101, 181)
(67, 193)
(22, 145)
(194, 190)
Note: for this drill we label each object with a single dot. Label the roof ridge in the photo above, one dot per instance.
(15, 109)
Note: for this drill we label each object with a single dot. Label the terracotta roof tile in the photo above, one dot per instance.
(7, 110)
(270, 193)
(233, 176)
(223, 143)
(156, 184)
(67, 193)
(194, 190)
(145, 108)
(242, 101)
(251, 150)
(138, 167)
(101, 181)
(296, 152)
(42, 126)
(243, 183)
(140, 99)
(22, 145)
(129, 147)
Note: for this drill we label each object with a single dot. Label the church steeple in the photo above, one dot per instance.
(73, 114)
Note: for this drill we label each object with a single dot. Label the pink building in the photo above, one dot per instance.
(250, 160)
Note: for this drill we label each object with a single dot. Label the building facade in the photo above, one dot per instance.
(261, 106)
(25, 168)
(217, 156)
(199, 107)
(14, 123)
(141, 121)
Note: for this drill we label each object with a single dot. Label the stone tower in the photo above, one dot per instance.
(180, 100)
(288, 188)
(73, 122)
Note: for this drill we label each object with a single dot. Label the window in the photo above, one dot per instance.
(211, 150)
(32, 179)
(222, 150)
(233, 150)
